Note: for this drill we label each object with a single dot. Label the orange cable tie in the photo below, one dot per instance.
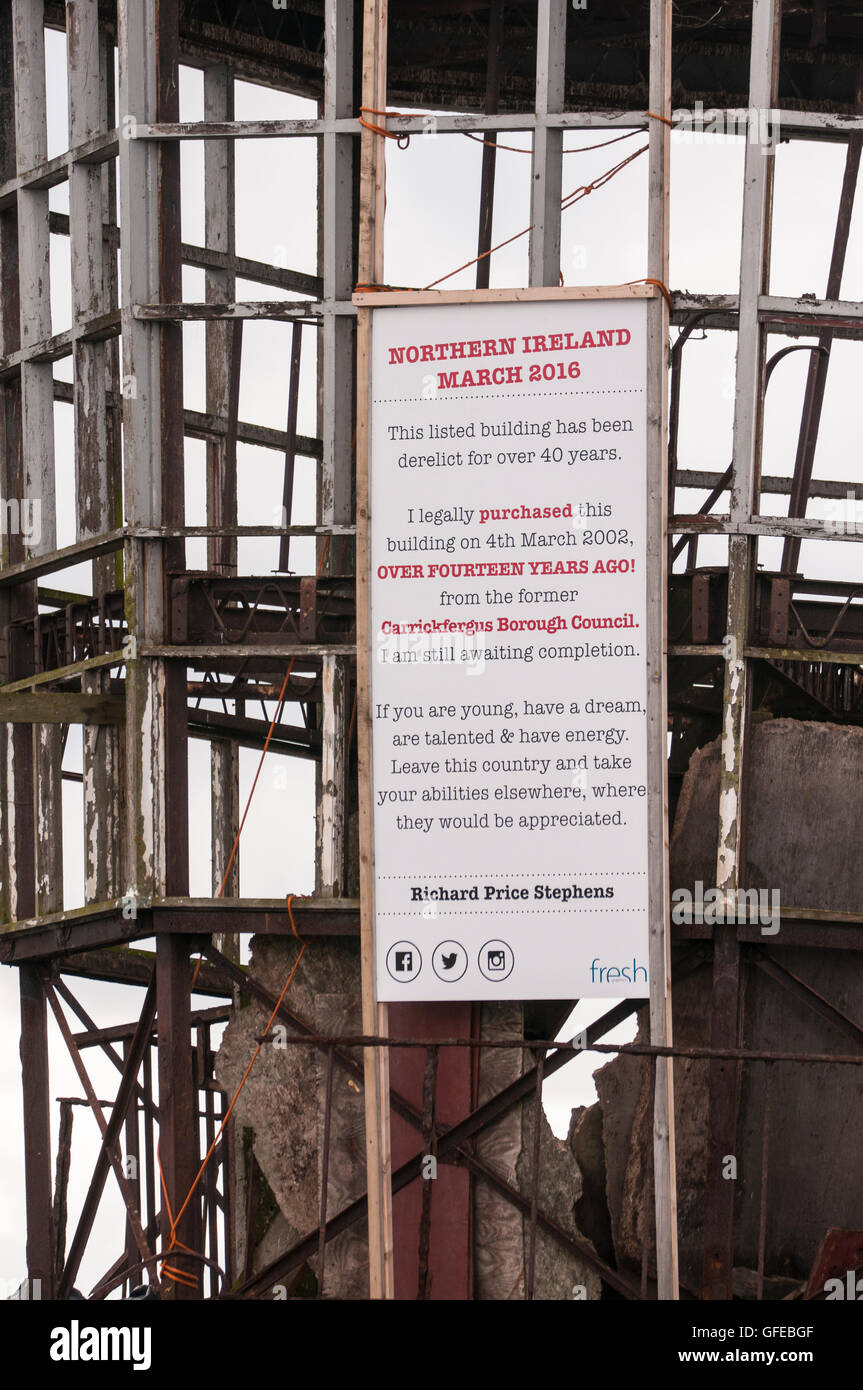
(402, 140)
(649, 280)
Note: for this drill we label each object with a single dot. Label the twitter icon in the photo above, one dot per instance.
(449, 961)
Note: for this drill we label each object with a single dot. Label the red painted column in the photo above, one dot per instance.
(450, 1237)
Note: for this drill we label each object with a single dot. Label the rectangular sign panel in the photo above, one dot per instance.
(507, 626)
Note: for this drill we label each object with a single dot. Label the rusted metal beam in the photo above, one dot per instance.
(117, 1060)
(489, 149)
(178, 1130)
(41, 1248)
(121, 1032)
(131, 1161)
(449, 1144)
(291, 444)
(816, 380)
(109, 1156)
(131, 967)
(61, 1185)
(797, 987)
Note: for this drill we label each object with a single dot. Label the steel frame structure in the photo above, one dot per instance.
(132, 660)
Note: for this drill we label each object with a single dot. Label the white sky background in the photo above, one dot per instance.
(432, 211)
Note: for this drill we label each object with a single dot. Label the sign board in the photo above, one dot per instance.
(507, 620)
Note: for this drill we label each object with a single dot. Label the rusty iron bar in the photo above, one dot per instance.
(61, 1184)
(81, 1040)
(564, 1051)
(720, 487)
(132, 1141)
(121, 1032)
(489, 148)
(809, 996)
(291, 443)
(117, 1273)
(149, 1139)
(819, 644)
(109, 1153)
(325, 1170)
(816, 381)
(615, 1280)
(455, 1140)
(675, 362)
(97, 1182)
(178, 1149)
(227, 1184)
(762, 1196)
(225, 489)
(138, 1050)
(358, 1210)
(429, 1124)
(37, 1127)
(534, 1178)
(112, 1281)
(212, 1210)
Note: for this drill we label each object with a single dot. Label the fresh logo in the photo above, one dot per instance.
(608, 974)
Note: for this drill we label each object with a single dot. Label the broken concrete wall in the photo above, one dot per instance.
(282, 1104)
(804, 806)
(502, 1232)
(803, 812)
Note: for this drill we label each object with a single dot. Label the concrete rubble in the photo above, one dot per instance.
(281, 1107)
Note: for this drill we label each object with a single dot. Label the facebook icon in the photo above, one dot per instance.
(404, 961)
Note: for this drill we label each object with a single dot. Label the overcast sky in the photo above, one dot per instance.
(432, 208)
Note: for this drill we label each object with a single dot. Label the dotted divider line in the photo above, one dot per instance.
(510, 395)
(495, 873)
(521, 911)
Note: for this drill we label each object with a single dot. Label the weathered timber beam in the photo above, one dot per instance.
(60, 708)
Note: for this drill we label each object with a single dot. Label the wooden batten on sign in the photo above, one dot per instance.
(376, 1060)
(375, 1019)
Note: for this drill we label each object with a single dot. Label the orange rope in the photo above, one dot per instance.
(600, 182)
(576, 149)
(571, 198)
(481, 257)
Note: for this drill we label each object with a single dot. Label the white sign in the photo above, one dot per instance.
(507, 620)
